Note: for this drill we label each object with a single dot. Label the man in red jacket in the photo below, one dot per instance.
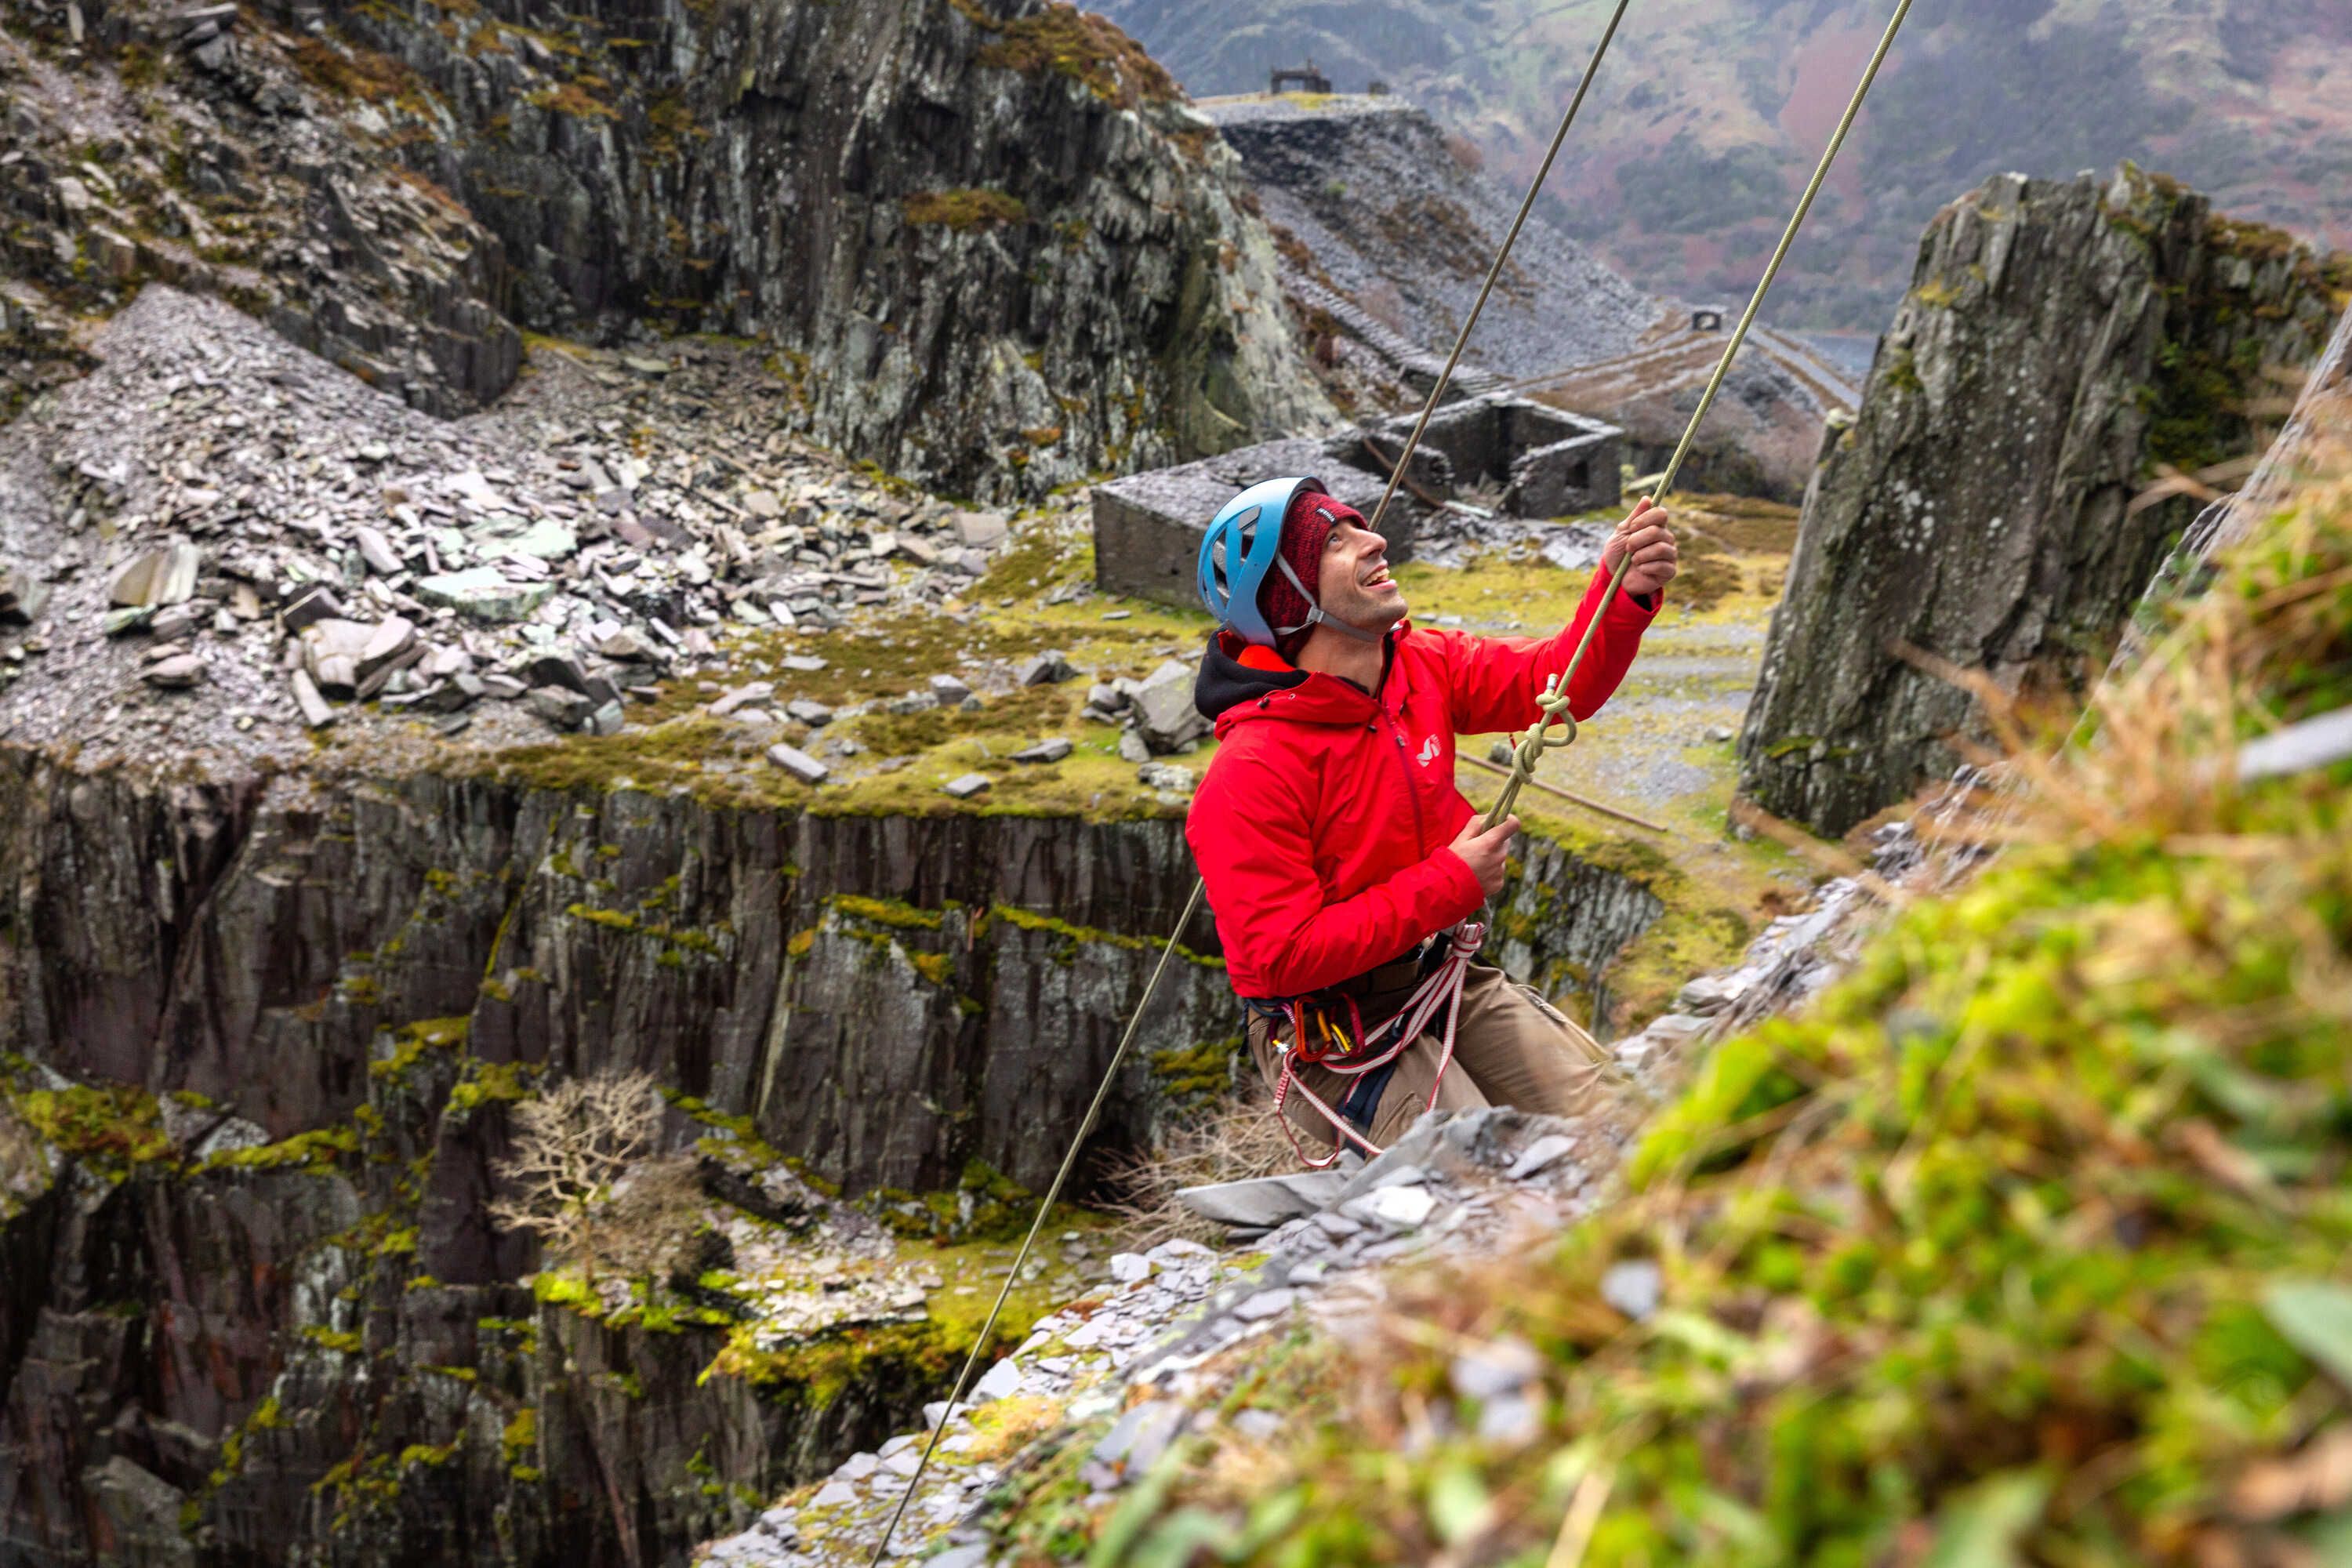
(1334, 843)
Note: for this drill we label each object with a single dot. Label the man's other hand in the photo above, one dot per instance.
(1645, 534)
(1484, 850)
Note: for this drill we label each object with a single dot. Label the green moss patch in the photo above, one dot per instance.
(965, 209)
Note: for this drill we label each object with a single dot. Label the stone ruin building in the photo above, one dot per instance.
(1300, 79)
(1497, 453)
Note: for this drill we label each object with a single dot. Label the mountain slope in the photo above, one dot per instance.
(1708, 114)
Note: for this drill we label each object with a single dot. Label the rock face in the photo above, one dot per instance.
(1000, 248)
(1378, 205)
(253, 1309)
(2060, 340)
(996, 250)
(214, 157)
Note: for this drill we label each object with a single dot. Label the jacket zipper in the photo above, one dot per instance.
(1420, 832)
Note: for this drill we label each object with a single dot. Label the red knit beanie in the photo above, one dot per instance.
(1306, 529)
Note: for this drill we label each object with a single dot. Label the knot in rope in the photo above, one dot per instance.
(1556, 728)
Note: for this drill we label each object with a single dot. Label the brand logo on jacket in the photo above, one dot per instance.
(1428, 751)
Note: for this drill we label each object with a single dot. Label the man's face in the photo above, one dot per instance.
(1355, 586)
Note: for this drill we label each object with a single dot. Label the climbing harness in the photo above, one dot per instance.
(1243, 543)
(1443, 985)
(1317, 1039)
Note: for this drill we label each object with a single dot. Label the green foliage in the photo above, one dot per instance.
(1088, 49)
(1197, 1074)
(112, 1129)
(492, 1083)
(321, 1150)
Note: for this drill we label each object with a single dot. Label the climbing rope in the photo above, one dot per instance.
(1557, 725)
(1527, 204)
(1526, 748)
(1044, 1208)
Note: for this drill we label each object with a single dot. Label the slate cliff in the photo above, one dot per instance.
(994, 246)
(2060, 341)
(262, 1041)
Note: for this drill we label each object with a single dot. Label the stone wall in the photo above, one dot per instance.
(1537, 461)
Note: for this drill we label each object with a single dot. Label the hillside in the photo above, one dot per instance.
(1708, 114)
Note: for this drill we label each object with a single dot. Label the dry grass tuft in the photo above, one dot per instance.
(1235, 1141)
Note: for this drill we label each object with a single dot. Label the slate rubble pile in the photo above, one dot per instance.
(215, 509)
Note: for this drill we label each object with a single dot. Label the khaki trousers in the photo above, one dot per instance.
(1512, 1048)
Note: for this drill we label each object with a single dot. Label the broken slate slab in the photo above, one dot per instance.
(1541, 1155)
(559, 706)
(1002, 1381)
(376, 551)
(802, 663)
(317, 711)
(1265, 1304)
(967, 786)
(981, 530)
(949, 690)
(177, 673)
(310, 606)
(798, 763)
(1265, 1201)
(1399, 1208)
(164, 575)
(330, 652)
(394, 638)
(1046, 750)
(757, 690)
(815, 715)
(1165, 715)
(1046, 670)
(558, 669)
(483, 594)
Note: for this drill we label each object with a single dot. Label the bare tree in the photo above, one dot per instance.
(581, 1178)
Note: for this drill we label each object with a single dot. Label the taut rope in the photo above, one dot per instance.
(1557, 726)
(1045, 1207)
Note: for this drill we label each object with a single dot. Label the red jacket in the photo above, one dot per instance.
(1323, 824)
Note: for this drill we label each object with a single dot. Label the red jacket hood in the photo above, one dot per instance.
(1239, 682)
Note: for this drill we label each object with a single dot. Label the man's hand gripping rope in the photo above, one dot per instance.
(1645, 563)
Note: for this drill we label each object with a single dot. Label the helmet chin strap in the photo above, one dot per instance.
(1315, 612)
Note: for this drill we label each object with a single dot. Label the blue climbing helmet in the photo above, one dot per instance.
(1243, 546)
